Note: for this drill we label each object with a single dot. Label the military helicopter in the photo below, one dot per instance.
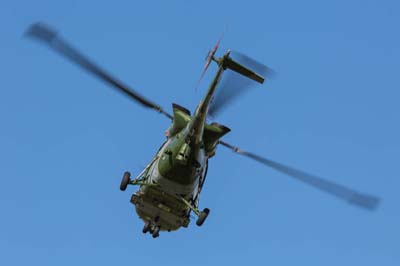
(170, 185)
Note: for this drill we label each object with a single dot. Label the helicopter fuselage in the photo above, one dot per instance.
(159, 201)
(172, 182)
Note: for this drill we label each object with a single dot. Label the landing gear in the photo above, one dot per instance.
(202, 217)
(152, 227)
(156, 232)
(146, 227)
(126, 179)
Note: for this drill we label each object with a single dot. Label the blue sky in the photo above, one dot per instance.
(333, 110)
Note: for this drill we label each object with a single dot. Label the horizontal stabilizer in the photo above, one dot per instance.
(235, 66)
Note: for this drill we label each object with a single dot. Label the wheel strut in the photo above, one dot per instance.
(201, 215)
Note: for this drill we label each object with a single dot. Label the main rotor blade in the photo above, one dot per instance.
(233, 84)
(43, 33)
(344, 193)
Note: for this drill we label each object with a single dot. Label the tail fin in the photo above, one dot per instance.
(235, 66)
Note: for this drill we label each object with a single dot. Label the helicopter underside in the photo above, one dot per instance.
(159, 209)
(165, 205)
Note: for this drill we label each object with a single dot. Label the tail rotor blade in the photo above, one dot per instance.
(43, 33)
(207, 64)
(209, 58)
(351, 196)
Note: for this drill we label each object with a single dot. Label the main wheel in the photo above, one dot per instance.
(202, 217)
(126, 179)
(156, 232)
(146, 227)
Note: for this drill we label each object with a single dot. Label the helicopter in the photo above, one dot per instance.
(169, 187)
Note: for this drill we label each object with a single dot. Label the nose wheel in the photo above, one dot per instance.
(152, 228)
(146, 227)
(156, 232)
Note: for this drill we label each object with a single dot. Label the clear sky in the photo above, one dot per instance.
(333, 110)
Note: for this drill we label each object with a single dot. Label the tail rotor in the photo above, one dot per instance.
(210, 57)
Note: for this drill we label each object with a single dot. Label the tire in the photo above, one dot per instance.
(126, 179)
(146, 228)
(156, 232)
(202, 217)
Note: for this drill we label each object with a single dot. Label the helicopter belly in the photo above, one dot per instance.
(160, 203)
(155, 208)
